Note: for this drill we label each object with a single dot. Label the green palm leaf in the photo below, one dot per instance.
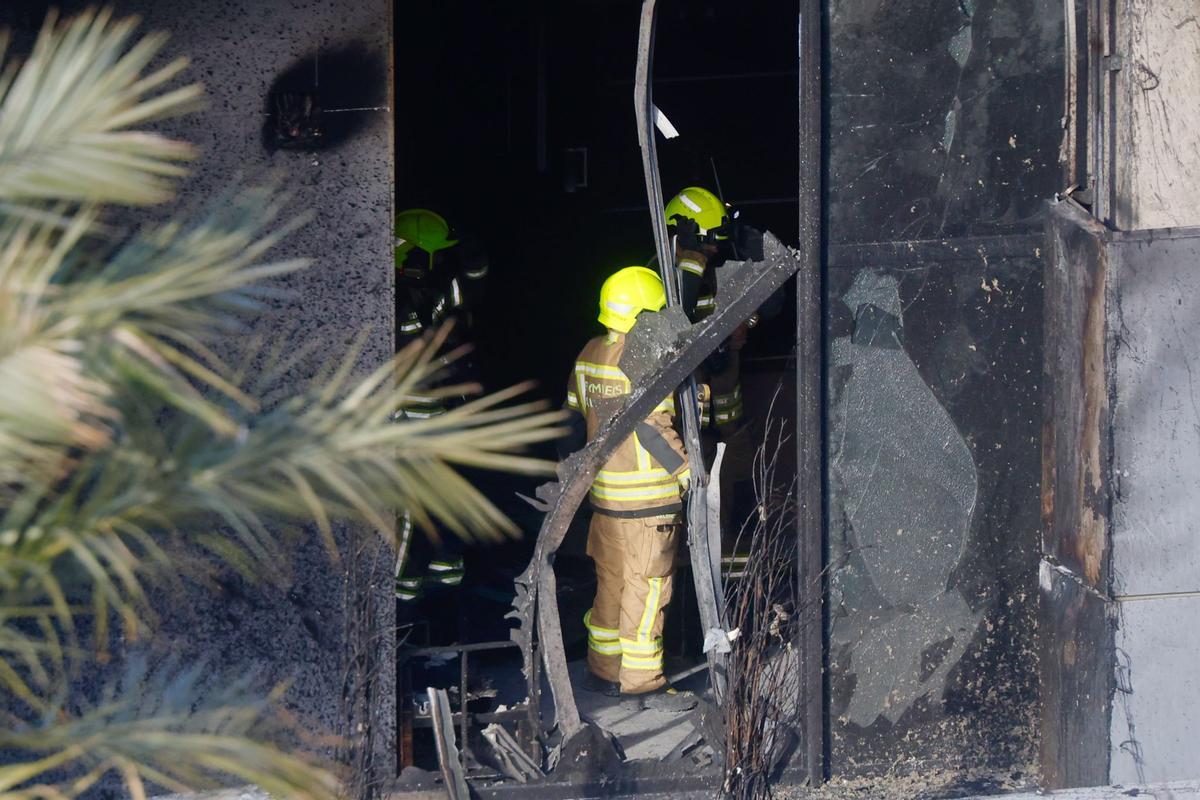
(123, 434)
(62, 115)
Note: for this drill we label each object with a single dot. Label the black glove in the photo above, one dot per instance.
(749, 243)
(687, 234)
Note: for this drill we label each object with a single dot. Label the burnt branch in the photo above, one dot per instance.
(760, 710)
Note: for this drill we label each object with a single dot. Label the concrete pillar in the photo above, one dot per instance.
(327, 617)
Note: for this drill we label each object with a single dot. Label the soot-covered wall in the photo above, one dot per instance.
(942, 143)
(246, 53)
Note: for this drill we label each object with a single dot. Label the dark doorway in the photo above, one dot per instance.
(516, 122)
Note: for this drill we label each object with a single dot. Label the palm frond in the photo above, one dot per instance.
(122, 431)
(321, 457)
(161, 728)
(77, 323)
(63, 114)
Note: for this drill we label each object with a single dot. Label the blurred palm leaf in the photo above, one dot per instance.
(163, 728)
(122, 431)
(65, 115)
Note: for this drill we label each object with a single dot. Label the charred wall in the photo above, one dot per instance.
(943, 132)
(305, 631)
(1118, 578)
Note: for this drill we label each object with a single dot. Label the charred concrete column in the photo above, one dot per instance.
(299, 91)
(1119, 582)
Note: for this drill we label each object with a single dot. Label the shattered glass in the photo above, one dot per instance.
(909, 488)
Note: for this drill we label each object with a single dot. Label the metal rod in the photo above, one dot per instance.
(462, 707)
(724, 76)
(687, 673)
(709, 598)
(461, 648)
(1070, 145)
(810, 437)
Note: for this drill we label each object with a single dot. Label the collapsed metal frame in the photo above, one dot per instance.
(536, 600)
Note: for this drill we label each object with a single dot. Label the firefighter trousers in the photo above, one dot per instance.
(635, 563)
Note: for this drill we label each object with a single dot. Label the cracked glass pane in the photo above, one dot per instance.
(933, 431)
(908, 486)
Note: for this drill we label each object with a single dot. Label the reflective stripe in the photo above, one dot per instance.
(439, 308)
(643, 493)
(601, 371)
(652, 648)
(601, 640)
(732, 415)
(603, 634)
(403, 540)
(734, 566)
(643, 663)
(694, 267)
(445, 566)
(684, 477)
(586, 369)
(643, 455)
(455, 293)
(410, 327)
(408, 588)
(729, 398)
(572, 400)
(604, 648)
(651, 610)
(654, 475)
(706, 301)
(447, 579)
(478, 273)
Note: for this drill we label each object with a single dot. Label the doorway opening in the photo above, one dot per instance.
(515, 124)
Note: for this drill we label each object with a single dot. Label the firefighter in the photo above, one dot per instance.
(636, 502)
(439, 277)
(705, 236)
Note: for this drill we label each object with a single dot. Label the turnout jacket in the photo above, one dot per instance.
(648, 473)
(721, 371)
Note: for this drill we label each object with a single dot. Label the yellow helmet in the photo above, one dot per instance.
(627, 293)
(703, 207)
(423, 229)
